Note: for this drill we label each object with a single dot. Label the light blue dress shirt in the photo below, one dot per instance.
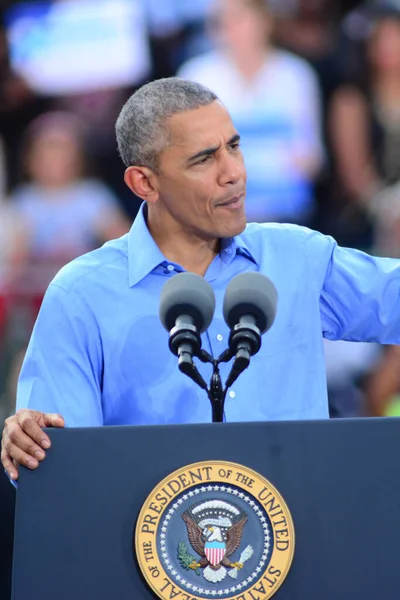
(99, 354)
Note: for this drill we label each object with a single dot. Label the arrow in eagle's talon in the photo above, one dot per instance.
(237, 565)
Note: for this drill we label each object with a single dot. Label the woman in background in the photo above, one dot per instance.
(365, 133)
(63, 212)
(273, 97)
(60, 214)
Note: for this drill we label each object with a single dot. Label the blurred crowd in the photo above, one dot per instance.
(313, 87)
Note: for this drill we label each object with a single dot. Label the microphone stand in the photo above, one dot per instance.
(184, 342)
(216, 392)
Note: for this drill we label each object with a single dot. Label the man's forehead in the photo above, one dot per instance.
(207, 125)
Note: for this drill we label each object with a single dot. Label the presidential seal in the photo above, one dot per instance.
(214, 530)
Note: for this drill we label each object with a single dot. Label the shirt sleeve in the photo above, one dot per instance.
(62, 370)
(359, 293)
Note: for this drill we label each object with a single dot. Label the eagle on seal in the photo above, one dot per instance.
(215, 540)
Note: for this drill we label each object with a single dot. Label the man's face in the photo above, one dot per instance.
(202, 177)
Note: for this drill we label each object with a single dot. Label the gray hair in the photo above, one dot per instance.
(140, 128)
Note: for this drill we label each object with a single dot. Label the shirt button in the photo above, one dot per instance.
(220, 337)
(170, 268)
(232, 394)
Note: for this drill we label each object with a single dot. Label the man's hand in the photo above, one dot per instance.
(23, 440)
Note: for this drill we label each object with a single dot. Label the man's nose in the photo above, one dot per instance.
(232, 168)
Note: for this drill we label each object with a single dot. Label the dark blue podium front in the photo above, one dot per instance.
(75, 516)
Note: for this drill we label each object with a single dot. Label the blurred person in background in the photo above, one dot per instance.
(59, 213)
(10, 254)
(63, 212)
(382, 388)
(12, 241)
(177, 32)
(365, 131)
(8, 226)
(9, 392)
(19, 105)
(312, 29)
(274, 99)
(98, 110)
(316, 30)
(348, 366)
(364, 125)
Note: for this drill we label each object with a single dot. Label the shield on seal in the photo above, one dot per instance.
(215, 552)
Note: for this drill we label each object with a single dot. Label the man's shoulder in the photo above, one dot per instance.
(266, 233)
(98, 266)
(295, 246)
(282, 239)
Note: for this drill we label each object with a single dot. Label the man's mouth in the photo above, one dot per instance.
(233, 202)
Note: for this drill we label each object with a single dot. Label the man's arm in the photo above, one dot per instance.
(360, 294)
(61, 375)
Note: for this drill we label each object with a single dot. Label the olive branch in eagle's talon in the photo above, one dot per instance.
(187, 560)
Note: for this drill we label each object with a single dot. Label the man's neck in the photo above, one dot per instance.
(183, 248)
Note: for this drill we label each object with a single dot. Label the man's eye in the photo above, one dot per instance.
(235, 146)
(204, 159)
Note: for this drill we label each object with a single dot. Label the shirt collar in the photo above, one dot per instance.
(230, 247)
(144, 255)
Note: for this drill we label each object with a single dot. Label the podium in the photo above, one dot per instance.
(76, 515)
(7, 508)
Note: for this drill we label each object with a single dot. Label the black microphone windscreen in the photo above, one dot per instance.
(250, 293)
(187, 294)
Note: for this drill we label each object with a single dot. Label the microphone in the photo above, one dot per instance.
(249, 311)
(186, 310)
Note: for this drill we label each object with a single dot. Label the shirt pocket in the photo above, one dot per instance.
(281, 387)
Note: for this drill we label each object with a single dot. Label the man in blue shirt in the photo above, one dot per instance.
(98, 353)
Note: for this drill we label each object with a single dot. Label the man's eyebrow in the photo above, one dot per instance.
(209, 151)
(234, 139)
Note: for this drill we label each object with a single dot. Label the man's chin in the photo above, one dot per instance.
(237, 227)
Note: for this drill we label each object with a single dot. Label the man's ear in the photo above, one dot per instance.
(142, 182)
